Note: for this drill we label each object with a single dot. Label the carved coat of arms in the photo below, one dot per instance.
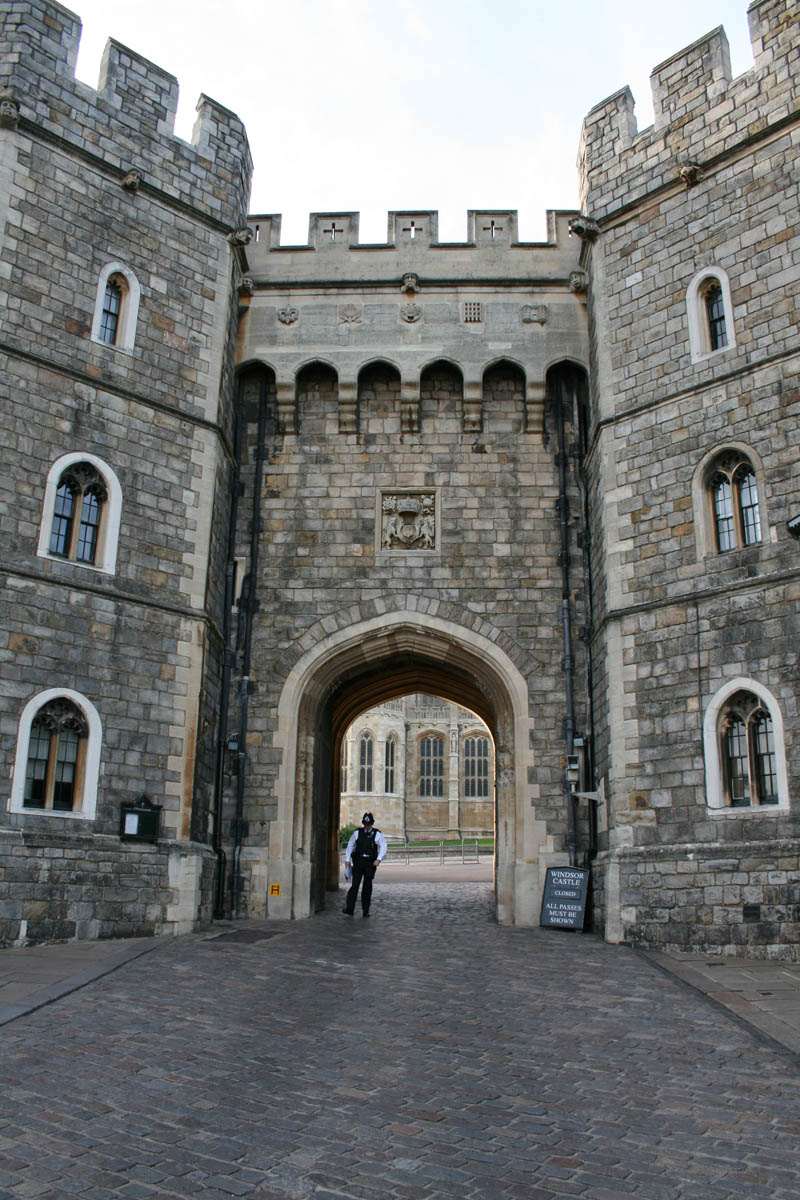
(409, 522)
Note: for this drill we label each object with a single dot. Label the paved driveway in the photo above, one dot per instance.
(423, 1053)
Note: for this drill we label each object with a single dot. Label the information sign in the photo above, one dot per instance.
(564, 899)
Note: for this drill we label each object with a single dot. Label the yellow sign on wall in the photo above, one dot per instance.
(274, 889)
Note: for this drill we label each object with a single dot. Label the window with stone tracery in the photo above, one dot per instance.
(80, 500)
(81, 512)
(476, 767)
(55, 758)
(58, 756)
(390, 750)
(431, 767)
(366, 748)
(733, 492)
(747, 748)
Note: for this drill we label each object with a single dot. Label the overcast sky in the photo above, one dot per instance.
(371, 105)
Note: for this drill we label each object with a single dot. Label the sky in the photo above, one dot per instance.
(372, 105)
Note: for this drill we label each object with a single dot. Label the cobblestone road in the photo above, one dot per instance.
(425, 1053)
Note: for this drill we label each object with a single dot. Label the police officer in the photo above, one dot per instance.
(366, 848)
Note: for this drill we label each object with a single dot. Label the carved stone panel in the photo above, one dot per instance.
(409, 520)
(411, 313)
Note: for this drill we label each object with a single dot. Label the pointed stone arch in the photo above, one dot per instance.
(343, 671)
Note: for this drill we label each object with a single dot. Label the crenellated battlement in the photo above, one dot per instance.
(492, 249)
(700, 112)
(129, 121)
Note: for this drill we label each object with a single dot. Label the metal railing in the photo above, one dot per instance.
(463, 849)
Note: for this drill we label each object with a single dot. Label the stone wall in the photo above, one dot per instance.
(711, 187)
(87, 179)
(409, 368)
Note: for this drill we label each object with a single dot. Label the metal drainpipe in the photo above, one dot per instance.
(562, 507)
(588, 629)
(227, 660)
(250, 603)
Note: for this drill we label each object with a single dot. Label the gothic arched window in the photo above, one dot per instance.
(431, 766)
(734, 499)
(747, 752)
(111, 310)
(389, 764)
(57, 761)
(81, 513)
(365, 757)
(716, 324)
(116, 308)
(56, 754)
(476, 767)
(77, 513)
(710, 313)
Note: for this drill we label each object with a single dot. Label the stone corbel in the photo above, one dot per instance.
(409, 406)
(286, 405)
(584, 228)
(689, 171)
(348, 406)
(577, 282)
(534, 406)
(240, 237)
(9, 111)
(473, 406)
(132, 181)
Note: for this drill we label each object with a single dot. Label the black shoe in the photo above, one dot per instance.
(364, 915)
(347, 912)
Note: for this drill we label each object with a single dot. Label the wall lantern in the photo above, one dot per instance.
(793, 526)
(140, 821)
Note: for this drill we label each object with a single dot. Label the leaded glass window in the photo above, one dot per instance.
(734, 499)
(748, 752)
(431, 767)
(365, 764)
(58, 735)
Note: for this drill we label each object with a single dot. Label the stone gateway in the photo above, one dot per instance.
(252, 491)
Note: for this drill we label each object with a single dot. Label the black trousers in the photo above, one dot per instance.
(361, 871)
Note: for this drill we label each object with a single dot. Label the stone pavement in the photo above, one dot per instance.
(426, 1053)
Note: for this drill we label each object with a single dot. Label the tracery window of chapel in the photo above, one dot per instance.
(734, 497)
(55, 757)
(431, 767)
(366, 747)
(747, 745)
(476, 767)
(77, 514)
(388, 765)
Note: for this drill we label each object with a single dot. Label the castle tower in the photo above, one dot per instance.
(692, 252)
(118, 254)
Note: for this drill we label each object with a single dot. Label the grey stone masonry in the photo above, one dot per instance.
(410, 478)
(128, 123)
(683, 620)
(94, 185)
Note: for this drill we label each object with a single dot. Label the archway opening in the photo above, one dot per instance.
(354, 694)
(341, 673)
(424, 765)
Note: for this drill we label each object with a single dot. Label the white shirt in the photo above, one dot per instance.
(380, 842)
